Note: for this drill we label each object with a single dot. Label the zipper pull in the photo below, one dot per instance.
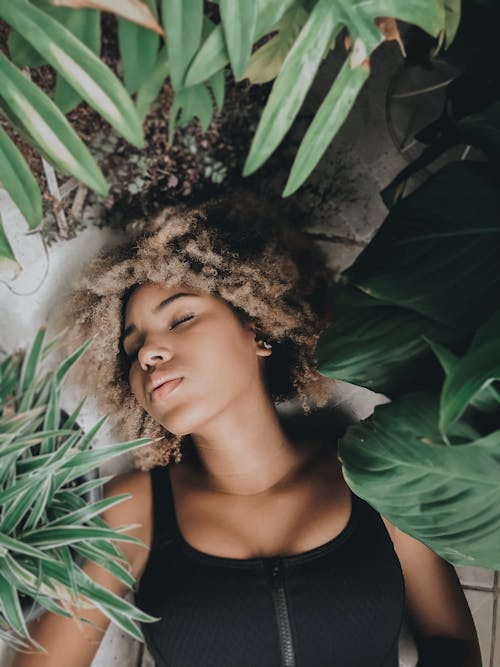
(275, 568)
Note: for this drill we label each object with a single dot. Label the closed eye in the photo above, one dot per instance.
(132, 356)
(184, 319)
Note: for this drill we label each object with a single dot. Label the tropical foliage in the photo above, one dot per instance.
(417, 319)
(50, 521)
(286, 39)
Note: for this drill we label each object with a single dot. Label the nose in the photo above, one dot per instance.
(152, 354)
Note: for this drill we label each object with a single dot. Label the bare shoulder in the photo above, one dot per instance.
(136, 510)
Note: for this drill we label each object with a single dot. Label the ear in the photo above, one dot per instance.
(261, 350)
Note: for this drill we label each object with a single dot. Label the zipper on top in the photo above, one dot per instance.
(282, 617)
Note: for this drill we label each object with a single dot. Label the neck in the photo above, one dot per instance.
(245, 450)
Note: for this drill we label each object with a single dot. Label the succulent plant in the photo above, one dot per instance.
(50, 503)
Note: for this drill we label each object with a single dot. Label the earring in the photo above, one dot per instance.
(267, 345)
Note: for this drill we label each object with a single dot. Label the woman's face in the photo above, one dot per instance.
(195, 336)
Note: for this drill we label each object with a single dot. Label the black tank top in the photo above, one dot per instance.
(337, 605)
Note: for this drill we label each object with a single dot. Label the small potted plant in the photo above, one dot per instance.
(51, 501)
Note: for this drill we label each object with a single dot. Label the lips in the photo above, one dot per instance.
(162, 389)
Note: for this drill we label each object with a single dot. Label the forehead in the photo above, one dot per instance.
(145, 297)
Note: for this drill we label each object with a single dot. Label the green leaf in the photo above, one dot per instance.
(471, 374)
(327, 121)
(51, 419)
(7, 257)
(265, 63)
(151, 87)
(21, 547)
(212, 55)
(482, 129)
(445, 497)
(22, 53)
(31, 361)
(138, 50)
(430, 16)
(238, 18)
(40, 504)
(190, 102)
(91, 552)
(83, 70)
(452, 19)
(444, 234)
(85, 461)
(217, 83)
(68, 363)
(293, 82)
(11, 608)
(85, 24)
(84, 514)
(46, 125)
(389, 353)
(61, 535)
(182, 22)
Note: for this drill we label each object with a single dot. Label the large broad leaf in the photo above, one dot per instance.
(183, 22)
(380, 346)
(437, 251)
(482, 129)
(45, 124)
(238, 18)
(138, 50)
(81, 68)
(445, 496)
(471, 374)
(19, 182)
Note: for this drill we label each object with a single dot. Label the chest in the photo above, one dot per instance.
(286, 523)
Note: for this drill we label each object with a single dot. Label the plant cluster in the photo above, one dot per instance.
(417, 319)
(282, 39)
(50, 501)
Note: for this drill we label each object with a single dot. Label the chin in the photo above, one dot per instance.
(180, 424)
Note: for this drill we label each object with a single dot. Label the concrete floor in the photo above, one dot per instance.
(346, 210)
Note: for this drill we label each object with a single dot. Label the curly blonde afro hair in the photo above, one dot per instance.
(243, 248)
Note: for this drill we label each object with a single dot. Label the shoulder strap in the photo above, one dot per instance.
(164, 523)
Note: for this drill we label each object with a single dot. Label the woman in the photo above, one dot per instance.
(259, 554)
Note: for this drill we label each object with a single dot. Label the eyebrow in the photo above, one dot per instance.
(131, 327)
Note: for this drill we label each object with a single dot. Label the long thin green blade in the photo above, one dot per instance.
(17, 179)
(327, 121)
(150, 89)
(213, 56)
(7, 257)
(238, 19)
(31, 361)
(138, 49)
(182, 21)
(85, 24)
(86, 73)
(293, 82)
(61, 535)
(42, 121)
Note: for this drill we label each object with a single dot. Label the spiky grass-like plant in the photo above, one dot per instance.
(50, 502)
